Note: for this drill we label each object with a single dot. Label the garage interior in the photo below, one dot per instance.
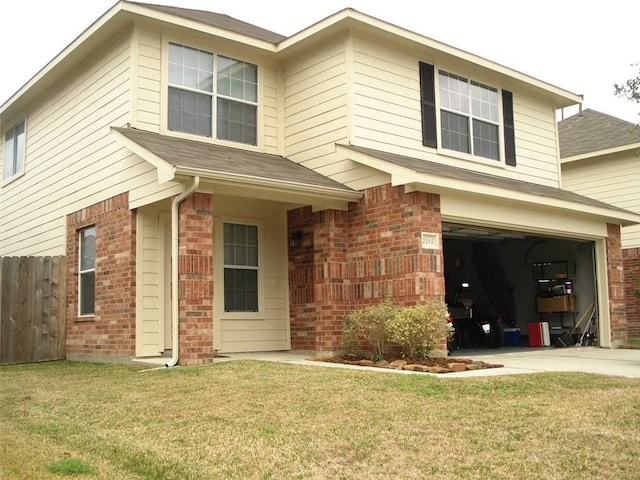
(523, 278)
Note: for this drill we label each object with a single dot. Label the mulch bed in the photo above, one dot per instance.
(430, 365)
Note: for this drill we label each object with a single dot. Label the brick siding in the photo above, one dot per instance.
(355, 258)
(195, 257)
(631, 260)
(111, 331)
(617, 307)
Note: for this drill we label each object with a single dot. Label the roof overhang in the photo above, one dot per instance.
(353, 19)
(318, 195)
(414, 180)
(124, 14)
(601, 153)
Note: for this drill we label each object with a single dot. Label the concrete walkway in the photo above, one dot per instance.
(516, 360)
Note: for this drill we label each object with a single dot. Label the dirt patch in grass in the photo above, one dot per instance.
(420, 364)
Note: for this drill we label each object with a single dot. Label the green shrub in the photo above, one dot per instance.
(418, 329)
(637, 292)
(368, 324)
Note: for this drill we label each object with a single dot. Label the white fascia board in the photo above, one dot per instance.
(564, 97)
(272, 184)
(431, 183)
(601, 153)
(166, 171)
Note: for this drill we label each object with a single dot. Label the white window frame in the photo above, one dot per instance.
(215, 95)
(257, 268)
(470, 116)
(13, 161)
(82, 273)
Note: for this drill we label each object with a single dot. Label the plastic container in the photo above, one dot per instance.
(512, 337)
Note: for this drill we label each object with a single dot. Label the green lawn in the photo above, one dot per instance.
(259, 420)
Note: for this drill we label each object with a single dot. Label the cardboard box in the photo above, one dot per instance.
(561, 303)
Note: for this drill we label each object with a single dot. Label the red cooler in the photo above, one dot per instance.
(539, 334)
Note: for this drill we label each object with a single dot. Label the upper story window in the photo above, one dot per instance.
(212, 95)
(14, 142)
(469, 116)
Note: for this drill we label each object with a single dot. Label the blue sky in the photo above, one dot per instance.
(583, 47)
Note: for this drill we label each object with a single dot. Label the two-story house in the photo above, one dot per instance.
(599, 155)
(219, 187)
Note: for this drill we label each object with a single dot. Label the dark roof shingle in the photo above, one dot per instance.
(592, 131)
(219, 20)
(213, 158)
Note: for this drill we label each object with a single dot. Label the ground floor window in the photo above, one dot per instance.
(87, 271)
(240, 267)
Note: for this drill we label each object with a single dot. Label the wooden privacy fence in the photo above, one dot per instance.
(32, 309)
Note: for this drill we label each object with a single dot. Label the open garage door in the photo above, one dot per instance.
(523, 278)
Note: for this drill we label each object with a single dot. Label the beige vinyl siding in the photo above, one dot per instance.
(150, 312)
(268, 329)
(149, 70)
(613, 179)
(387, 114)
(269, 109)
(72, 160)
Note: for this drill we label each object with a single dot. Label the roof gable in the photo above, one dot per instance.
(592, 131)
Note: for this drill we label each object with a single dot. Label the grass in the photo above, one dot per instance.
(259, 420)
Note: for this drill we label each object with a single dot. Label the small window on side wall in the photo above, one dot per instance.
(87, 271)
(14, 143)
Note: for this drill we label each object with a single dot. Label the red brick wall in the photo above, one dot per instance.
(195, 259)
(631, 260)
(301, 298)
(111, 331)
(386, 256)
(358, 258)
(617, 306)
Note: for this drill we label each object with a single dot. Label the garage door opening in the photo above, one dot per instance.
(520, 280)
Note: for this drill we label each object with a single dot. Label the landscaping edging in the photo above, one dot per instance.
(428, 365)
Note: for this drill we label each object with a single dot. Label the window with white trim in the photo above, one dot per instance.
(87, 271)
(212, 95)
(14, 143)
(469, 120)
(241, 267)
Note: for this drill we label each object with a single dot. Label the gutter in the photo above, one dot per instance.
(175, 205)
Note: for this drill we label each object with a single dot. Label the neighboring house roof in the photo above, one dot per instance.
(421, 166)
(591, 131)
(218, 20)
(195, 157)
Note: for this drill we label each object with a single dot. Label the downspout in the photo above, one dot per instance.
(175, 303)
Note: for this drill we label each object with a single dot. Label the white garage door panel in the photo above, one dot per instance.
(472, 210)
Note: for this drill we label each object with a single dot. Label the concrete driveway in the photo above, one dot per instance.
(619, 362)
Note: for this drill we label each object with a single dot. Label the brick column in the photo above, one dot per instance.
(617, 307)
(109, 335)
(301, 296)
(631, 261)
(332, 289)
(195, 284)
(386, 256)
